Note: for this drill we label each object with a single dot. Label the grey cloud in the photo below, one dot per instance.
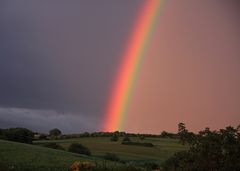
(44, 120)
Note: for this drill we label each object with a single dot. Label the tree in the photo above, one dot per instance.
(208, 150)
(22, 135)
(55, 132)
(181, 127)
(184, 135)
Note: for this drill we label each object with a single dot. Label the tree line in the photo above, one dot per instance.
(207, 150)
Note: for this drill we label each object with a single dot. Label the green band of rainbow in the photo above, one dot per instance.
(132, 60)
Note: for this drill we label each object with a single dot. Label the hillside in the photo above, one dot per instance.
(99, 146)
(19, 156)
(32, 156)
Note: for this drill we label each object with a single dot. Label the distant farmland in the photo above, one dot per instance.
(99, 146)
(19, 156)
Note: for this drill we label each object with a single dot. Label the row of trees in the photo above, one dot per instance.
(56, 134)
(25, 135)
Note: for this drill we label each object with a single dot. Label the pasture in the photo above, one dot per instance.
(32, 156)
(20, 156)
(99, 146)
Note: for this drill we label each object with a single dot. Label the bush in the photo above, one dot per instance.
(138, 144)
(111, 157)
(79, 148)
(53, 145)
(114, 137)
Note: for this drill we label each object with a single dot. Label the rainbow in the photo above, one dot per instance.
(132, 59)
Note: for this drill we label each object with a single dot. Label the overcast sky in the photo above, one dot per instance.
(58, 61)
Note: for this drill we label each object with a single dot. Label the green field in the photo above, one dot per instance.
(99, 146)
(39, 158)
(19, 154)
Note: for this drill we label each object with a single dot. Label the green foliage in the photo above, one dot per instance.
(114, 137)
(53, 145)
(22, 135)
(138, 144)
(55, 132)
(26, 157)
(111, 157)
(79, 148)
(208, 150)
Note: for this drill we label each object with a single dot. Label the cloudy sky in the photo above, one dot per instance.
(59, 59)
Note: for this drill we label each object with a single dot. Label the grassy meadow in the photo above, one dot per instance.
(32, 156)
(39, 157)
(99, 146)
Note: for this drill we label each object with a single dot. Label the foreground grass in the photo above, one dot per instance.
(23, 157)
(19, 153)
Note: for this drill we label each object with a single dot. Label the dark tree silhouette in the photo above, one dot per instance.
(55, 132)
(208, 150)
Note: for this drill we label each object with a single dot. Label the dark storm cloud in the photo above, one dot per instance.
(44, 120)
(61, 55)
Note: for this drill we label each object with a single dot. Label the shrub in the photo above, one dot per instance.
(53, 145)
(79, 148)
(111, 156)
(114, 137)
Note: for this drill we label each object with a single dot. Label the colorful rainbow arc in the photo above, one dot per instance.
(132, 60)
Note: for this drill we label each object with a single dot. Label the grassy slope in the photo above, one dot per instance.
(163, 149)
(35, 156)
(22, 154)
